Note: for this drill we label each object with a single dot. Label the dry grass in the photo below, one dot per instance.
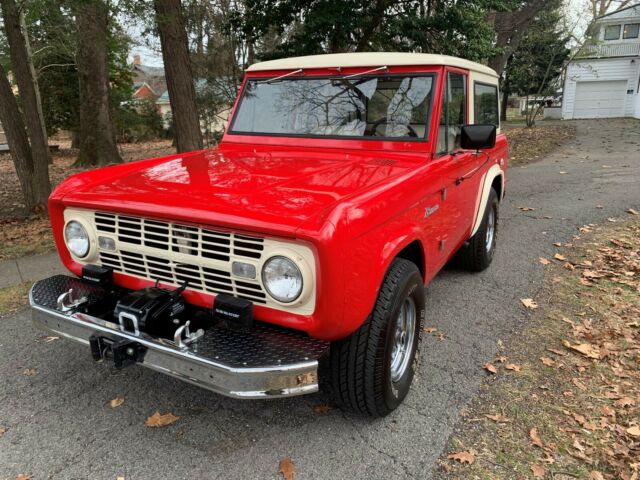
(527, 145)
(14, 298)
(579, 386)
(20, 237)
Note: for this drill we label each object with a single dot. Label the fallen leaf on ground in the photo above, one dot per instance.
(625, 402)
(579, 384)
(23, 476)
(287, 469)
(429, 329)
(2, 430)
(544, 261)
(463, 457)
(116, 402)
(557, 352)
(585, 349)
(535, 438)
(547, 361)
(595, 475)
(557, 244)
(634, 431)
(50, 339)
(527, 209)
(321, 409)
(608, 411)
(633, 212)
(557, 256)
(157, 420)
(29, 372)
(498, 418)
(490, 368)
(513, 366)
(529, 303)
(538, 471)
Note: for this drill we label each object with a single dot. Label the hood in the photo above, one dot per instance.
(268, 190)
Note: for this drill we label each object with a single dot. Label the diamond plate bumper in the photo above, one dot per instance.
(264, 362)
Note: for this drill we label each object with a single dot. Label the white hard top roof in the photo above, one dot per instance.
(369, 59)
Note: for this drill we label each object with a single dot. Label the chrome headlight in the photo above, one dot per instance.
(77, 239)
(282, 279)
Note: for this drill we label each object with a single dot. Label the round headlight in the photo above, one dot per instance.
(77, 239)
(282, 278)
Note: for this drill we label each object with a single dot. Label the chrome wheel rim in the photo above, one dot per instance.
(403, 339)
(491, 230)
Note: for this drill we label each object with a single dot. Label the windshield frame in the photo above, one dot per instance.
(433, 74)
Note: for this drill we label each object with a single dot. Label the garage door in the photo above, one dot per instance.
(600, 99)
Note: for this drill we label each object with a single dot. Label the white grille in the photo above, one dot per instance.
(175, 253)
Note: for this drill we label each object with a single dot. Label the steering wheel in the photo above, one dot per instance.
(380, 121)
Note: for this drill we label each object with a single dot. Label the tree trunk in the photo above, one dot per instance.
(33, 182)
(75, 139)
(32, 71)
(24, 74)
(97, 135)
(177, 64)
(510, 27)
(504, 105)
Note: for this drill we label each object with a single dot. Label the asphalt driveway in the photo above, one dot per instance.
(59, 423)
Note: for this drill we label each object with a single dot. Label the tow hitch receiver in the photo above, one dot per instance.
(124, 352)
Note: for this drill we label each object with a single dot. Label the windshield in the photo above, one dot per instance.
(393, 106)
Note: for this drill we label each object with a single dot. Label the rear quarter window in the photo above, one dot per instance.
(485, 104)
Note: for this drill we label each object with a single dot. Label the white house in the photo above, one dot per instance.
(603, 80)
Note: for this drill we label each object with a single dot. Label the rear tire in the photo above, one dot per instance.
(372, 369)
(476, 255)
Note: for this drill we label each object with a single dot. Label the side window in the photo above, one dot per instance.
(485, 104)
(631, 31)
(612, 32)
(454, 113)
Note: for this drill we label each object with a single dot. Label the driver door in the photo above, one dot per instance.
(460, 164)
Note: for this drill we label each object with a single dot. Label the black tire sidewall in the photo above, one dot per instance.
(395, 392)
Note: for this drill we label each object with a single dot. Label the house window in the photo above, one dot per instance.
(612, 32)
(454, 113)
(485, 104)
(631, 30)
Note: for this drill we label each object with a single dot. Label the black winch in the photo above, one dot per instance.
(153, 310)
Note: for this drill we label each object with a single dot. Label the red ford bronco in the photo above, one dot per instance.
(341, 187)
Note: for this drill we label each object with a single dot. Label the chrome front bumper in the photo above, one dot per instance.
(263, 362)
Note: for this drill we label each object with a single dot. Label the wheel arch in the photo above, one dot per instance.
(413, 252)
(494, 178)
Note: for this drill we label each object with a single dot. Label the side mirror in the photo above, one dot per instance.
(478, 137)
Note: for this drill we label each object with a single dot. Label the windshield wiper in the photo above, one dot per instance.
(271, 80)
(364, 73)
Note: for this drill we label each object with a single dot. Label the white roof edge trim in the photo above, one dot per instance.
(369, 59)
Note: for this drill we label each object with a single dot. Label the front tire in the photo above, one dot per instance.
(476, 255)
(372, 369)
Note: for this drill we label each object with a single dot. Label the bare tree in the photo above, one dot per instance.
(37, 165)
(33, 181)
(177, 64)
(96, 134)
(510, 27)
(601, 7)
